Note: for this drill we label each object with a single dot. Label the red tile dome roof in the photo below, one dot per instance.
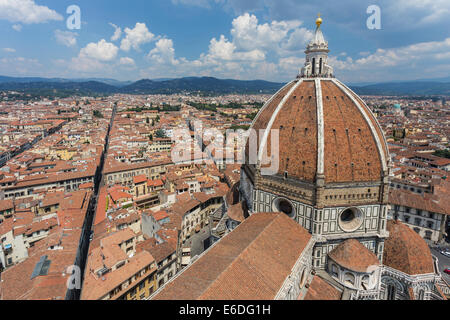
(406, 251)
(352, 255)
(325, 129)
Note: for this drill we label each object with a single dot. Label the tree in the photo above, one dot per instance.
(97, 114)
(160, 133)
(442, 153)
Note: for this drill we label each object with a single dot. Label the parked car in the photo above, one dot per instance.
(445, 253)
(447, 271)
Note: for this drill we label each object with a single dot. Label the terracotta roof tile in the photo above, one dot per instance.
(321, 290)
(406, 251)
(351, 254)
(242, 264)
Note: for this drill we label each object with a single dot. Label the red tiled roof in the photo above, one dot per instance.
(321, 290)
(100, 214)
(139, 179)
(352, 255)
(117, 195)
(6, 204)
(413, 200)
(252, 262)
(236, 212)
(160, 215)
(406, 251)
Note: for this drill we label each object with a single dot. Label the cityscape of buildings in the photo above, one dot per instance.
(94, 206)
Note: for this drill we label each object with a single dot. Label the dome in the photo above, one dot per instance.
(352, 255)
(406, 251)
(325, 130)
(236, 212)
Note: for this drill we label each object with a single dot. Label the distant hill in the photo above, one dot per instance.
(417, 88)
(159, 86)
(89, 87)
(207, 85)
(112, 82)
(203, 84)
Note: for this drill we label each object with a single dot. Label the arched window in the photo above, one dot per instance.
(349, 279)
(391, 292)
(313, 65)
(365, 282)
(303, 278)
(334, 270)
(320, 66)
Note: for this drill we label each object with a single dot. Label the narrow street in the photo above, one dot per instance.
(98, 182)
(196, 241)
(444, 263)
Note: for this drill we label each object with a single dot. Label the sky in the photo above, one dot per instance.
(227, 39)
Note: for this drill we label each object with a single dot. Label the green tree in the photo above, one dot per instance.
(442, 153)
(97, 114)
(160, 133)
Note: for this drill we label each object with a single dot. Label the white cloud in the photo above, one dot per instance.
(163, 53)
(10, 50)
(136, 37)
(19, 65)
(244, 56)
(94, 56)
(403, 15)
(127, 62)
(297, 40)
(117, 32)
(413, 13)
(222, 49)
(87, 65)
(66, 38)
(17, 27)
(397, 63)
(102, 51)
(27, 12)
(248, 34)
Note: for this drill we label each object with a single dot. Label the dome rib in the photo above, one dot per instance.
(273, 117)
(269, 102)
(377, 127)
(320, 129)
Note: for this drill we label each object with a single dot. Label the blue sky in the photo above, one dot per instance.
(239, 39)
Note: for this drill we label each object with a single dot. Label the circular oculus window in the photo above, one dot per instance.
(285, 206)
(350, 219)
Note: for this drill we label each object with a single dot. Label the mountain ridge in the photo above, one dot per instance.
(209, 85)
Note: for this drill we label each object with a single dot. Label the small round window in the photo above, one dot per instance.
(350, 219)
(285, 206)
